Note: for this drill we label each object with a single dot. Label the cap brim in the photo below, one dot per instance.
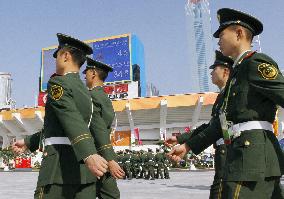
(220, 29)
(87, 68)
(98, 64)
(55, 53)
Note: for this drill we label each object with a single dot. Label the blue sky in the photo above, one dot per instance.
(27, 26)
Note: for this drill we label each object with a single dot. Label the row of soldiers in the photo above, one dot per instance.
(142, 164)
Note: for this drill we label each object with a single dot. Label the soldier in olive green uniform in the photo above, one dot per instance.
(150, 165)
(220, 74)
(167, 164)
(67, 138)
(159, 160)
(135, 163)
(143, 160)
(127, 164)
(254, 162)
(96, 73)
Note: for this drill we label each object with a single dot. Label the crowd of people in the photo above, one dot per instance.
(143, 164)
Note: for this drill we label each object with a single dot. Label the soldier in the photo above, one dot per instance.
(135, 164)
(143, 160)
(150, 165)
(95, 74)
(70, 162)
(159, 160)
(220, 74)
(254, 162)
(127, 164)
(167, 164)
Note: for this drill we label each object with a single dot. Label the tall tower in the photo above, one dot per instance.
(6, 102)
(256, 44)
(201, 53)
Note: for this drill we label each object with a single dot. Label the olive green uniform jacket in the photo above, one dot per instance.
(257, 87)
(106, 186)
(68, 112)
(101, 132)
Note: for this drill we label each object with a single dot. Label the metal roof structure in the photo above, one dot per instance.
(161, 112)
(155, 117)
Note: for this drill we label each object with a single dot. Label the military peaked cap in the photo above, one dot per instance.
(228, 16)
(92, 64)
(67, 41)
(221, 60)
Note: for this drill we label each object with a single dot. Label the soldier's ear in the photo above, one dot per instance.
(226, 71)
(94, 73)
(67, 56)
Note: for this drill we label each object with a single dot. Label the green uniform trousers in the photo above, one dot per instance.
(107, 188)
(64, 191)
(263, 189)
(215, 189)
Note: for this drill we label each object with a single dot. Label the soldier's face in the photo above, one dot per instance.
(89, 76)
(228, 40)
(60, 59)
(218, 76)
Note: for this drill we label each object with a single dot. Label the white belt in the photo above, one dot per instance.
(57, 140)
(220, 142)
(236, 129)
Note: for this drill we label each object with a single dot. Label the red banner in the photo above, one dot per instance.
(22, 163)
(42, 96)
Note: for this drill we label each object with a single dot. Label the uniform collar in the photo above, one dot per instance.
(54, 75)
(71, 72)
(240, 58)
(90, 89)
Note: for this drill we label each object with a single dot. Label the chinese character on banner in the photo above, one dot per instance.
(187, 129)
(108, 89)
(136, 135)
(121, 88)
(42, 97)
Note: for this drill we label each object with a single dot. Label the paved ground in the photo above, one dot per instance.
(194, 185)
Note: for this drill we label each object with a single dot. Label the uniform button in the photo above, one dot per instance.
(247, 143)
(234, 94)
(223, 151)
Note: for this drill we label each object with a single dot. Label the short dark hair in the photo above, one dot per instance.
(78, 56)
(101, 73)
(224, 67)
(248, 33)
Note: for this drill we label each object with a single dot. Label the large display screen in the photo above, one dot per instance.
(114, 51)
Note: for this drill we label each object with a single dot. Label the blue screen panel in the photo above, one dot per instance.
(114, 52)
(48, 67)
